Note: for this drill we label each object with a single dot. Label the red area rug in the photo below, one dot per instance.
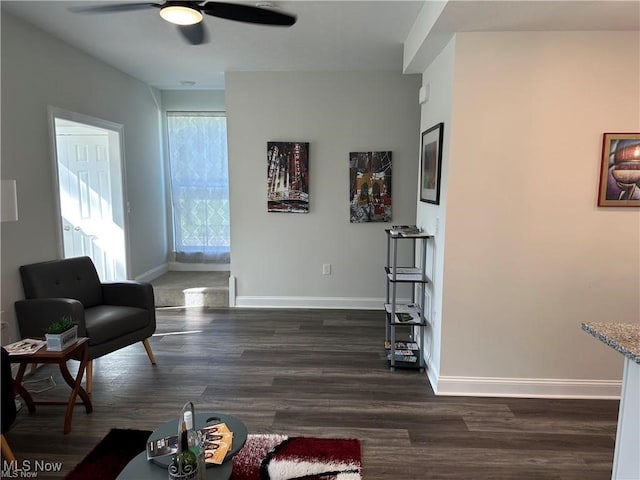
(278, 457)
(111, 455)
(263, 457)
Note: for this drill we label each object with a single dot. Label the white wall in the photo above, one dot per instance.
(193, 100)
(529, 255)
(39, 71)
(438, 81)
(277, 257)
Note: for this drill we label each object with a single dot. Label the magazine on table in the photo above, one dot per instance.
(215, 440)
(25, 346)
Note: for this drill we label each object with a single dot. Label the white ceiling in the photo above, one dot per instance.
(328, 36)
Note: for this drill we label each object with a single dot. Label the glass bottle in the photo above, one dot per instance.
(193, 440)
(184, 465)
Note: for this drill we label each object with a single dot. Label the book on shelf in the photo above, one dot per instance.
(415, 234)
(407, 345)
(406, 275)
(407, 307)
(405, 230)
(405, 270)
(403, 358)
(402, 307)
(402, 346)
(404, 317)
(404, 353)
(216, 440)
(25, 346)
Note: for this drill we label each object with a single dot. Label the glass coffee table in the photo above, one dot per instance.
(141, 468)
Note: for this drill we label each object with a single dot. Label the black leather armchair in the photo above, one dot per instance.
(112, 315)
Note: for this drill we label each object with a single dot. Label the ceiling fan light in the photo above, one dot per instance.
(180, 15)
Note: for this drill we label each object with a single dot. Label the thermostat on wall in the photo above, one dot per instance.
(423, 93)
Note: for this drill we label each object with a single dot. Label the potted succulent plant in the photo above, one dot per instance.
(61, 334)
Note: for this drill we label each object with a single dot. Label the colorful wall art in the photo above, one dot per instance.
(288, 177)
(620, 170)
(370, 186)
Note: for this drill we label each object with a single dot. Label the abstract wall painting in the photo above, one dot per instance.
(288, 177)
(620, 170)
(370, 186)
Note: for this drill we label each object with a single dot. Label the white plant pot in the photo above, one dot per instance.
(59, 341)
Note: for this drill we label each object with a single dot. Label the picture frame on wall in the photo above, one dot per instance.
(288, 177)
(370, 186)
(431, 164)
(620, 170)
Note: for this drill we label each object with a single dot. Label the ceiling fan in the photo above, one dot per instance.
(187, 16)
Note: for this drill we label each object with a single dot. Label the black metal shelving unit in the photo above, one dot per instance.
(406, 352)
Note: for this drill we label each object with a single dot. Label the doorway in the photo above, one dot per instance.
(90, 190)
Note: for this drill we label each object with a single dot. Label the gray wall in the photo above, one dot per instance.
(39, 71)
(277, 257)
(193, 100)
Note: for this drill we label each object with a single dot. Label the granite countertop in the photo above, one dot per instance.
(623, 337)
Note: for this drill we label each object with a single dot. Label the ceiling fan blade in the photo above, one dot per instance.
(248, 14)
(114, 7)
(194, 34)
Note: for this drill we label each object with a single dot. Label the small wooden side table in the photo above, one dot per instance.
(78, 351)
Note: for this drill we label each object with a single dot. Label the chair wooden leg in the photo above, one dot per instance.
(147, 347)
(88, 375)
(6, 450)
(34, 366)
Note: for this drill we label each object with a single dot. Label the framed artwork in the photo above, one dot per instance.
(620, 170)
(288, 177)
(370, 186)
(431, 164)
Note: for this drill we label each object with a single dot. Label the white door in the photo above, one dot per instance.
(90, 194)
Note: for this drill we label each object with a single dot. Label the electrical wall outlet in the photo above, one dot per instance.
(326, 269)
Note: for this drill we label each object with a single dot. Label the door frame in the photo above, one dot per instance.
(56, 112)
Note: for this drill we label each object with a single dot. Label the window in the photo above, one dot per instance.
(199, 186)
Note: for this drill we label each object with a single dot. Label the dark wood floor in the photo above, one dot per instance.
(322, 373)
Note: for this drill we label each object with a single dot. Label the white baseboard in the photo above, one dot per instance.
(310, 302)
(432, 375)
(153, 273)
(526, 387)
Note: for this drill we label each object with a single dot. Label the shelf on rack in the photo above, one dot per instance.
(412, 360)
(404, 357)
(402, 307)
(407, 233)
(406, 274)
(401, 345)
(405, 314)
